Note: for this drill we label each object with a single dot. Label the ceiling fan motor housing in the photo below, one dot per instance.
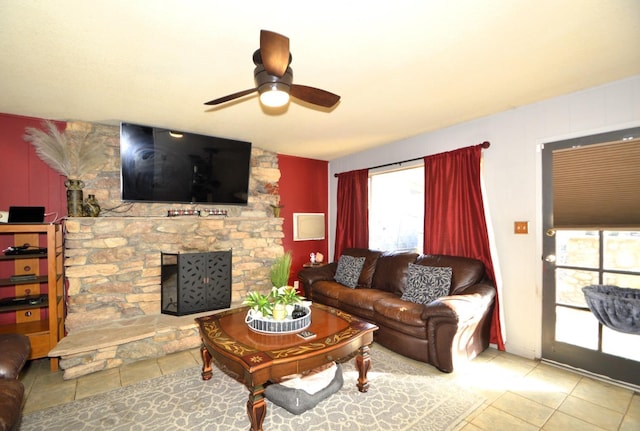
(267, 82)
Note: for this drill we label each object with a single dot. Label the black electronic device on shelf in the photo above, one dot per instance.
(26, 214)
(23, 300)
(24, 249)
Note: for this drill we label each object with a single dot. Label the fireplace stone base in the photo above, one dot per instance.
(104, 346)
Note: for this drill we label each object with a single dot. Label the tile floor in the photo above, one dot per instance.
(520, 394)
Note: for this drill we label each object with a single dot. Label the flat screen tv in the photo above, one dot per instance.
(159, 165)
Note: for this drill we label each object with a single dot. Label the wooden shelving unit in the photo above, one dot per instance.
(42, 322)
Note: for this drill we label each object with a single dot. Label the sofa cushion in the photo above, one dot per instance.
(426, 283)
(326, 288)
(466, 271)
(370, 260)
(361, 301)
(391, 271)
(349, 269)
(406, 313)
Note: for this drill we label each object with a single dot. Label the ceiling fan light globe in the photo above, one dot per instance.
(273, 96)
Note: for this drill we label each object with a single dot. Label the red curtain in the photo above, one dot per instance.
(352, 224)
(454, 214)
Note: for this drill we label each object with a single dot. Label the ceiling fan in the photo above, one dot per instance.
(274, 77)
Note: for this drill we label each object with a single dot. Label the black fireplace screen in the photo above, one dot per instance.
(195, 282)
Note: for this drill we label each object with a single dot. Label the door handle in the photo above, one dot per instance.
(551, 258)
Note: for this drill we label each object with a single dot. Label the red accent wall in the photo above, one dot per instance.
(25, 179)
(304, 188)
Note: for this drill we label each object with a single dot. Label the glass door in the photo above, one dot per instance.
(572, 259)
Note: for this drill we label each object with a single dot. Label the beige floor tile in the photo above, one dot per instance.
(561, 379)
(630, 423)
(591, 413)
(176, 362)
(98, 383)
(196, 355)
(603, 394)
(541, 392)
(523, 408)
(476, 412)
(466, 426)
(564, 422)
(41, 398)
(138, 371)
(634, 407)
(493, 419)
(31, 371)
(48, 379)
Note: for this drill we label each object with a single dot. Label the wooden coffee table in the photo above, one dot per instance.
(254, 359)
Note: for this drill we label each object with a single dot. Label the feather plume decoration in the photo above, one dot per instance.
(74, 153)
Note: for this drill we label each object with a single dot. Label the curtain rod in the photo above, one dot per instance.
(485, 145)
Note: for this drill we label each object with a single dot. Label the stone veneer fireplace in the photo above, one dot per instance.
(113, 261)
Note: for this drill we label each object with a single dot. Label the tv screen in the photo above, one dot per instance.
(158, 165)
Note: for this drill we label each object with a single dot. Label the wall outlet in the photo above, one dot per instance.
(521, 227)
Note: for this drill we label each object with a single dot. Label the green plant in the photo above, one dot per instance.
(259, 302)
(280, 270)
(285, 295)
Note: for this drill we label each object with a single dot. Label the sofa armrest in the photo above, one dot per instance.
(469, 305)
(308, 276)
(458, 325)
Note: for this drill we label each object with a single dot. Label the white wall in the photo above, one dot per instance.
(512, 176)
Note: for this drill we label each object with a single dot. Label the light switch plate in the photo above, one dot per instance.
(521, 227)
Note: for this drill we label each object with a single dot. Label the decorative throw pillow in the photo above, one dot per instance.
(426, 283)
(348, 270)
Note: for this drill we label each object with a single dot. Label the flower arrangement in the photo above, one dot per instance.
(281, 298)
(279, 303)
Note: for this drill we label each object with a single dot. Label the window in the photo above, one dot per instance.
(396, 209)
(587, 257)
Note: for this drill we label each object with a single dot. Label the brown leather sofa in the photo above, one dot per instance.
(450, 329)
(14, 351)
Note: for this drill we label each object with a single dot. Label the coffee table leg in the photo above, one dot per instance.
(207, 372)
(363, 363)
(256, 407)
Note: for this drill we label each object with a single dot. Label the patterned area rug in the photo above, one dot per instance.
(403, 396)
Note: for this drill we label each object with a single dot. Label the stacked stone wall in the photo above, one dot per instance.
(112, 262)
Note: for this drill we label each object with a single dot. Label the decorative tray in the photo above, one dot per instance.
(267, 325)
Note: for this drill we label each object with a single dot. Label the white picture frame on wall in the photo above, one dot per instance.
(308, 226)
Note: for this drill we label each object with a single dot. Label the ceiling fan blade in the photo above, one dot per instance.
(313, 95)
(274, 50)
(230, 97)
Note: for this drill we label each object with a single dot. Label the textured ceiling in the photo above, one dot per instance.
(402, 68)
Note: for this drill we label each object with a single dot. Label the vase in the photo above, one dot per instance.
(74, 198)
(276, 211)
(91, 207)
(279, 312)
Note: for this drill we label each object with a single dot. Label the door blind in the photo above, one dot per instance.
(597, 186)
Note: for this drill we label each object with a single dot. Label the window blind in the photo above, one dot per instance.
(597, 186)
